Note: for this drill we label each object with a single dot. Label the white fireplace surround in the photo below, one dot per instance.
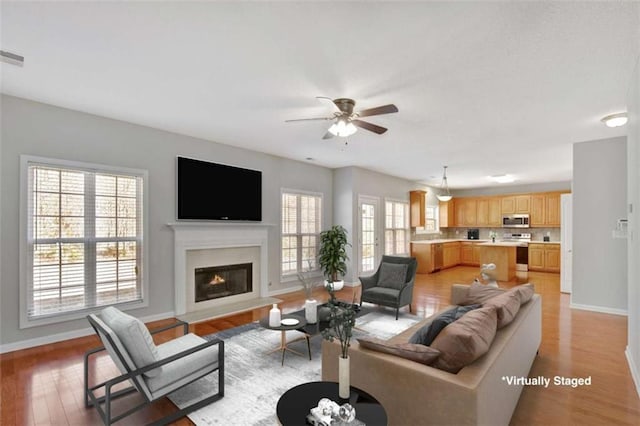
(202, 236)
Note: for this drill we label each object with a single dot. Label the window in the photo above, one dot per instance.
(84, 246)
(301, 223)
(431, 222)
(396, 233)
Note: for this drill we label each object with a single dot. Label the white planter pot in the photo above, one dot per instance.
(311, 311)
(343, 378)
(337, 285)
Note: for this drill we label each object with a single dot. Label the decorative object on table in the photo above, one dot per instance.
(328, 412)
(290, 321)
(446, 194)
(274, 316)
(310, 304)
(341, 323)
(493, 236)
(333, 256)
(488, 273)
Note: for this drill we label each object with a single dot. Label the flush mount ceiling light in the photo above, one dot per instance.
(615, 120)
(343, 128)
(446, 195)
(502, 178)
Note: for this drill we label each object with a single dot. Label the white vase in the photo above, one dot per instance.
(274, 316)
(343, 378)
(311, 311)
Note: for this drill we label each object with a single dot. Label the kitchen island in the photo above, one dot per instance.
(503, 255)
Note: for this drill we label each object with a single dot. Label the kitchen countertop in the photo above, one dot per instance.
(504, 244)
(453, 240)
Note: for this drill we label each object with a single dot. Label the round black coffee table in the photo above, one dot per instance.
(297, 402)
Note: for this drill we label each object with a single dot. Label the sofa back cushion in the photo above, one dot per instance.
(392, 275)
(525, 292)
(480, 293)
(427, 334)
(507, 306)
(414, 352)
(465, 340)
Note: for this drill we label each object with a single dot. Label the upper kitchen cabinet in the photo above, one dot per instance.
(482, 209)
(488, 212)
(417, 200)
(545, 210)
(495, 215)
(516, 204)
(447, 214)
(466, 212)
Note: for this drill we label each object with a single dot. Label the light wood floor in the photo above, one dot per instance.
(43, 385)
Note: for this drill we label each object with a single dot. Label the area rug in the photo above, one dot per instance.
(254, 381)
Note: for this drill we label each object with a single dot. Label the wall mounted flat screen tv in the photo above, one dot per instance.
(210, 191)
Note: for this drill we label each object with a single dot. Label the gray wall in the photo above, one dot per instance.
(48, 131)
(513, 189)
(599, 200)
(633, 244)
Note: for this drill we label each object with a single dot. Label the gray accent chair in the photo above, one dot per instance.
(396, 294)
(153, 371)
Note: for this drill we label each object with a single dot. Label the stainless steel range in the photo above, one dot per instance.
(522, 250)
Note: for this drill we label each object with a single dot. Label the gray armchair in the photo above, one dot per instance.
(392, 284)
(153, 371)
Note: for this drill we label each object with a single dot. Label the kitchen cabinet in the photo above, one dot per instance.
(466, 211)
(537, 216)
(544, 257)
(495, 216)
(450, 254)
(516, 204)
(476, 254)
(447, 214)
(552, 209)
(482, 212)
(424, 255)
(466, 253)
(545, 210)
(417, 202)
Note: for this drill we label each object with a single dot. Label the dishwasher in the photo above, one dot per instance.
(437, 257)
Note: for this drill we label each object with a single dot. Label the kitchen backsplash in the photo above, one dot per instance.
(537, 234)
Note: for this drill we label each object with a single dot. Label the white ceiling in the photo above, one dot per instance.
(487, 88)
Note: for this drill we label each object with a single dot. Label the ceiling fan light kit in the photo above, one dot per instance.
(347, 122)
(446, 195)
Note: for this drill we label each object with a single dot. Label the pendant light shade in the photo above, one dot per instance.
(446, 194)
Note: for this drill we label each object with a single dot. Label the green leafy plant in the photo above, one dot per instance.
(341, 323)
(333, 252)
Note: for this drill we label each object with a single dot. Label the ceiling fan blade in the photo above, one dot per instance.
(369, 126)
(333, 104)
(328, 135)
(309, 119)
(385, 109)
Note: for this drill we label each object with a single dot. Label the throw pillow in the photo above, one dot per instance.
(392, 275)
(507, 306)
(480, 293)
(525, 291)
(465, 340)
(135, 337)
(426, 334)
(418, 353)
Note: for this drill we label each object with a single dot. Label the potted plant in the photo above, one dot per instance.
(333, 256)
(341, 323)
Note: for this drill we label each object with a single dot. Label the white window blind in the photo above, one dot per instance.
(396, 233)
(301, 223)
(84, 239)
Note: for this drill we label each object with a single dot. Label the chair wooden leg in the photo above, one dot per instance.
(308, 347)
(397, 310)
(409, 307)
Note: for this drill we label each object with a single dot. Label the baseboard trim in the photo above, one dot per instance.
(600, 309)
(273, 293)
(68, 335)
(635, 375)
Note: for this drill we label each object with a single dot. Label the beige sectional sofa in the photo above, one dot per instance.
(417, 394)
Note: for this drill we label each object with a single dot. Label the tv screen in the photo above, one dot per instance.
(210, 191)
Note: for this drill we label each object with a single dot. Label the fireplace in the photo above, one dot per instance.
(222, 281)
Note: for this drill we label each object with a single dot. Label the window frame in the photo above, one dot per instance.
(423, 229)
(26, 266)
(293, 276)
(407, 229)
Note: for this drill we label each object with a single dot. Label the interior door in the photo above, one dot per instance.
(566, 229)
(368, 235)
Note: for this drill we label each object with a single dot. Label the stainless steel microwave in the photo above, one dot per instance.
(515, 221)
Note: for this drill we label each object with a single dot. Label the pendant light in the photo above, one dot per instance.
(446, 196)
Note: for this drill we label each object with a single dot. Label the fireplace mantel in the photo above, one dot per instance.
(216, 235)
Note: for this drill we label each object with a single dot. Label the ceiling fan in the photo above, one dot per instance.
(347, 121)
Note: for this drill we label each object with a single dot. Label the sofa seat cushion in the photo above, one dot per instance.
(507, 306)
(392, 275)
(418, 353)
(426, 334)
(135, 338)
(173, 373)
(382, 294)
(465, 340)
